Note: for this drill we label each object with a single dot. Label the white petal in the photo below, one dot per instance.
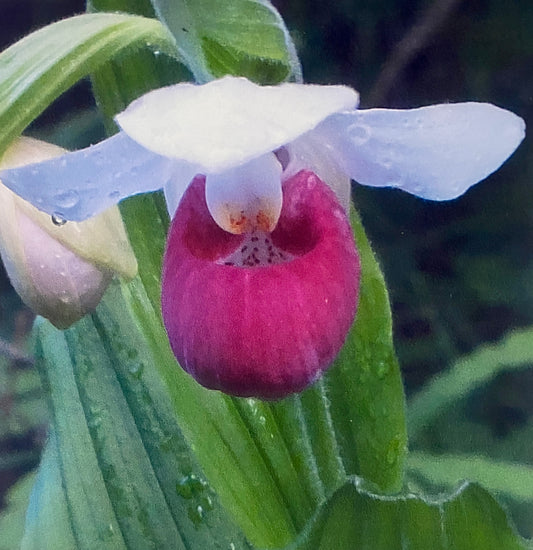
(434, 152)
(229, 121)
(176, 186)
(81, 184)
(248, 197)
(309, 153)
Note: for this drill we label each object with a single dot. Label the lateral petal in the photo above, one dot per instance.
(83, 183)
(434, 152)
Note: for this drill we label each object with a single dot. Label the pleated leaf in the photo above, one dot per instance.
(469, 519)
(116, 461)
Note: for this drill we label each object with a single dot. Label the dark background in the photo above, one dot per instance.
(460, 273)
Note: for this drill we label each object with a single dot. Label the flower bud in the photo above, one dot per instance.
(60, 269)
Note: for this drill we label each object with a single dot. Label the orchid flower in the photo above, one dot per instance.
(60, 271)
(261, 273)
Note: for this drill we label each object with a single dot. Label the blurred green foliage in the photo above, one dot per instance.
(460, 273)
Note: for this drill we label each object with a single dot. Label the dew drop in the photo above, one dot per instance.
(166, 443)
(190, 486)
(196, 515)
(114, 195)
(383, 368)
(207, 503)
(393, 450)
(67, 199)
(359, 134)
(95, 420)
(386, 162)
(136, 370)
(58, 219)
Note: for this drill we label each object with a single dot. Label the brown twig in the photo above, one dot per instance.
(429, 22)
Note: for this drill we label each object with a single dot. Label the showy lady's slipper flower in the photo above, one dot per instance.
(59, 270)
(260, 275)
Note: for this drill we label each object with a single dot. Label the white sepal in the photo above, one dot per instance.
(229, 121)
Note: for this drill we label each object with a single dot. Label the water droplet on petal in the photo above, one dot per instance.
(58, 219)
(359, 134)
(67, 199)
(386, 162)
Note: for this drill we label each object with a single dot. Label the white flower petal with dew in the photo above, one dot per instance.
(434, 152)
(229, 121)
(83, 183)
(221, 128)
(60, 272)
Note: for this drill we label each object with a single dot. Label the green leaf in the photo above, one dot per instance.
(116, 456)
(514, 352)
(240, 37)
(47, 518)
(469, 519)
(119, 81)
(237, 442)
(506, 478)
(41, 66)
(364, 387)
(12, 516)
